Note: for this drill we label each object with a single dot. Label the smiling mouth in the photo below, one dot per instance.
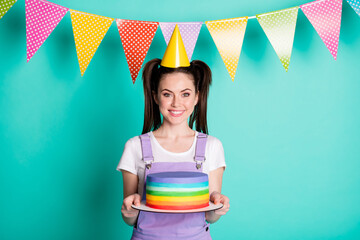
(176, 113)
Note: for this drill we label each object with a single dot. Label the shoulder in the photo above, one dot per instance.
(133, 142)
(213, 142)
(214, 153)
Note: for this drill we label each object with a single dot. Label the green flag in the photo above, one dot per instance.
(279, 27)
(5, 5)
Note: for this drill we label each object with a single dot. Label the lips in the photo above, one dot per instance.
(176, 113)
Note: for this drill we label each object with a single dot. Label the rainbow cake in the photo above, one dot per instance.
(177, 190)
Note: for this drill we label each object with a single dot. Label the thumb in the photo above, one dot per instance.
(137, 200)
(215, 197)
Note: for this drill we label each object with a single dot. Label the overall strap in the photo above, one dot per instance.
(146, 150)
(200, 149)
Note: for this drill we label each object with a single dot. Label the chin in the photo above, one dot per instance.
(174, 121)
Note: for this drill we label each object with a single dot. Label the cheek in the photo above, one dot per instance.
(164, 102)
(191, 103)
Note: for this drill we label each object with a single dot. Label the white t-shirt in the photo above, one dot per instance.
(131, 159)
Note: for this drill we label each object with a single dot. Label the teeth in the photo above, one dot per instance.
(176, 112)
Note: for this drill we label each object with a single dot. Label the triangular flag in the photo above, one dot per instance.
(136, 38)
(228, 35)
(89, 30)
(5, 5)
(189, 33)
(41, 19)
(325, 16)
(355, 4)
(279, 27)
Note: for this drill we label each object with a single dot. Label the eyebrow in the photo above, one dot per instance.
(165, 89)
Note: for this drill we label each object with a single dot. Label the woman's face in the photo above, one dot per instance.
(176, 97)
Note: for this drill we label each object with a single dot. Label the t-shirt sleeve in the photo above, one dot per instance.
(128, 158)
(217, 155)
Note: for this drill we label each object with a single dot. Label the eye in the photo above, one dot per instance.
(166, 95)
(186, 94)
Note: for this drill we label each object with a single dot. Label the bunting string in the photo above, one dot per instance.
(89, 29)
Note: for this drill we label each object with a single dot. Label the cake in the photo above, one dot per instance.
(177, 190)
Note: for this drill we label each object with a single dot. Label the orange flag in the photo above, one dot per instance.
(136, 37)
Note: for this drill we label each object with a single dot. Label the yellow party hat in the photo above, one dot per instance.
(175, 54)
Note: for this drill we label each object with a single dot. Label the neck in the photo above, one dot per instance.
(174, 131)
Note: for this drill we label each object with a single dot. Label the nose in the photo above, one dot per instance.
(175, 101)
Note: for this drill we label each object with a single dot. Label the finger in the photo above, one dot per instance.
(224, 200)
(128, 207)
(220, 212)
(128, 202)
(131, 213)
(125, 204)
(226, 206)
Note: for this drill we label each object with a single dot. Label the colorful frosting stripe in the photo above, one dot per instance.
(187, 207)
(175, 189)
(178, 185)
(178, 177)
(177, 194)
(167, 203)
(177, 199)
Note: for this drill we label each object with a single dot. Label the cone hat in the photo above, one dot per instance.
(175, 54)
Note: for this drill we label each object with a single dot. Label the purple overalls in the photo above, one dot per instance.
(171, 226)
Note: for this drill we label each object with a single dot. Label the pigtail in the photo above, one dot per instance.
(152, 117)
(201, 72)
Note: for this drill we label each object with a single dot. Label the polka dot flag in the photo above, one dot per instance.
(5, 5)
(136, 38)
(89, 30)
(41, 19)
(325, 16)
(355, 4)
(279, 27)
(189, 32)
(228, 36)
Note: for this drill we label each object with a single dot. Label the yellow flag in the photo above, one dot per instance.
(228, 35)
(89, 30)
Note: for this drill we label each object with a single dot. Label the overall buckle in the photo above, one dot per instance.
(148, 161)
(199, 161)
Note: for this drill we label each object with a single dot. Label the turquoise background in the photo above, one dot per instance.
(291, 139)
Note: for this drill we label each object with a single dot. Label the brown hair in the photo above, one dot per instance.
(152, 74)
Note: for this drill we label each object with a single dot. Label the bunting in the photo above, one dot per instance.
(355, 4)
(279, 27)
(89, 30)
(136, 37)
(5, 5)
(189, 32)
(41, 19)
(228, 35)
(325, 16)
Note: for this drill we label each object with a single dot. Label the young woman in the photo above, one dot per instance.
(178, 90)
(178, 94)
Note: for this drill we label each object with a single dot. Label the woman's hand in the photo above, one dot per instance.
(129, 214)
(217, 198)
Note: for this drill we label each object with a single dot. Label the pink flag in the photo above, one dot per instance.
(325, 16)
(41, 19)
(189, 32)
